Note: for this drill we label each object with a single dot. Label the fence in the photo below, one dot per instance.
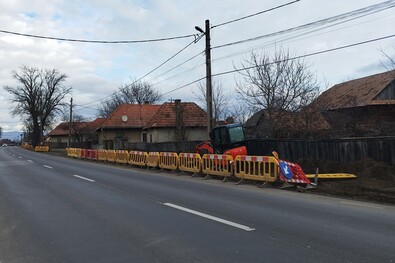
(381, 149)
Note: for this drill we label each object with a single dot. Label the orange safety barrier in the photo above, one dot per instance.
(41, 149)
(257, 168)
(137, 158)
(121, 156)
(168, 160)
(152, 159)
(111, 156)
(102, 155)
(217, 164)
(190, 162)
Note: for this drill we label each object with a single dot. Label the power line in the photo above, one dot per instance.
(255, 14)
(293, 58)
(359, 13)
(297, 36)
(151, 71)
(96, 41)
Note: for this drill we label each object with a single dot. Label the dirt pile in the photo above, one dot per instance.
(375, 180)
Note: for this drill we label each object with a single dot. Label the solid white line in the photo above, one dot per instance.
(84, 178)
(47, 166)
(30, 161)
(214, 218)
(361, 204)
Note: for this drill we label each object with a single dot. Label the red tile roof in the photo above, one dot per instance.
(354, 93)
(192, 116)
(63, 128)
(137, 116)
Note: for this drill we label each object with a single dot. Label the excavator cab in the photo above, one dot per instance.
(227, 137)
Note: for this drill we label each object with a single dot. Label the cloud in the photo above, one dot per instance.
(96, 70)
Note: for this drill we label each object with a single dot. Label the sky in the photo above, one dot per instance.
(95, 70)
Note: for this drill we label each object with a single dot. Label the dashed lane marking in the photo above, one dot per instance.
(47, 166)
(84, 178)
(214, 218)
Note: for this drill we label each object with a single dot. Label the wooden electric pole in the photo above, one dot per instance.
(70, 121)
(209, 96)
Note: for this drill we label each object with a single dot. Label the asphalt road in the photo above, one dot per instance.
(55, 209)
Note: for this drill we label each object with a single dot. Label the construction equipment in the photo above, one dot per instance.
(230, 140)
(226, 139)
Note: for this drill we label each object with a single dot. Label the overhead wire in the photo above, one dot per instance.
(293, 58)
(255, 14)
(96, 41)
(366, 10)
(148, 73)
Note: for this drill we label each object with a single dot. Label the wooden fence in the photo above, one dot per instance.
(381, 149)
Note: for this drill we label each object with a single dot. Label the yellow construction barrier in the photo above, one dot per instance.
(168, 160)
(332, 176)
(190, 162)
(27, 146)
(217, 164)
(121, 156)
(102, 155)
(257, 168)
(111, 156)
(137, 158)
(69, 152)
(41, 149)
(152, 159)
(78, 152)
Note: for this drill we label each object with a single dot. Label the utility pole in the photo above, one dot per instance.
(209, 93)
(70, 121)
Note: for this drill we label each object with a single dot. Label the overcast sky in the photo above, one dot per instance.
(96, 70)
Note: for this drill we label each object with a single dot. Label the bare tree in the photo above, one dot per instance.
(276, 84)
(389, 63)
(39, 97)
(219, 96)
(239, 111)
(1, 131)
(136, 92)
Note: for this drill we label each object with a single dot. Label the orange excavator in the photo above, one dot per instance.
(229, 139)
(226, 139)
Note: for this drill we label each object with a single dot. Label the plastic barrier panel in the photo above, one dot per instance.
(190, 162)
(217, 164)
(168, 160)
(84, 153)
(153, 159)
(93, 155)
(41, 149)
(138, 158)
(111, 156)
(257, 168)
(78, 152)
(102, 155)
(121, 156)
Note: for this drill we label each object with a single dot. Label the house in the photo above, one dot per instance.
(82, 134)
(306, 123)
(125, 125)
(177, 121)
(146, 123)
(360, 107)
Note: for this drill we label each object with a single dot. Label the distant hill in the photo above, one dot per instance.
(13, 135)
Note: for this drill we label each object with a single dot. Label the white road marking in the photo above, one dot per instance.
(84, 178)
(20, 157)
(47, 166)
(361, 204)
(214, 218)
(30, 161)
